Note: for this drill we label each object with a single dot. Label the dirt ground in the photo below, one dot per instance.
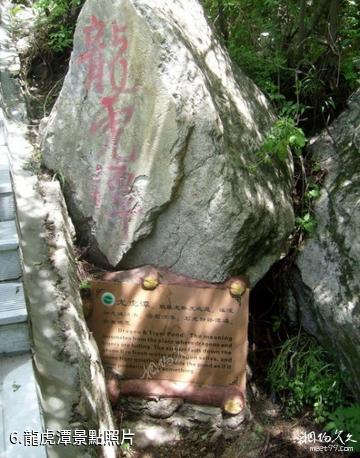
(267, 434)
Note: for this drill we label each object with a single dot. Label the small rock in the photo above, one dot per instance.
(194, 437)
(14, 69)
(201, 414)
(179, 421)
(271, 410)
(134, 405)
(216, 436)
(230, 434)
(23, 45)
(164, 408)
(147, 434)
(234, 421)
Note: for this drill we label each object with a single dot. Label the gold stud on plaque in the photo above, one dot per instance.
(237, 288)
(233, 406)
(150, 283)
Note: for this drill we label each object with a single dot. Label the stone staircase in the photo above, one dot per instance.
(19, 405)
(14, 334)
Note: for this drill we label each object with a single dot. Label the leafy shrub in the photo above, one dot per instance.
(280, 139)
(306, 223)
(296, 51)
(283, 135)
(56, 21)
(347, 420)
(302, 375)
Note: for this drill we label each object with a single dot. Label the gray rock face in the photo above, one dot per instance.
(154, 133)
(326, 281)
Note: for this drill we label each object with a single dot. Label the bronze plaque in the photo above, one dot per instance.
(181, 333)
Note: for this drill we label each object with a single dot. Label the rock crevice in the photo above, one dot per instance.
(325, 284)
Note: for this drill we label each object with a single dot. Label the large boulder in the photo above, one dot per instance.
(154, 134)
(325, 281)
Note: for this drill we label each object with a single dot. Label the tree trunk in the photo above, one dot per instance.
(222, 22)
(334, 10)
(301, 31)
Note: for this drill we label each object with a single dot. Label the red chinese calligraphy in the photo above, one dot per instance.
(119, 183)
(113, 118)
(113, 122)
(94, 56)
(119, 40)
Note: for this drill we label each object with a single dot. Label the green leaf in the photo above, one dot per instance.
(16, 9)
(314, 193)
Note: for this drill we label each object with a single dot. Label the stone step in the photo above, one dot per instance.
(4, 161)
(7, 208)
(5, 183)
(8, 236)
(14, 332)
(12, 303)
(19, 407)
(14, 338)
(10, 268)
(7, 205)
(2, 134)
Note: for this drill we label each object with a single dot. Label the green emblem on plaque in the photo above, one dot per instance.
(108, 299)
